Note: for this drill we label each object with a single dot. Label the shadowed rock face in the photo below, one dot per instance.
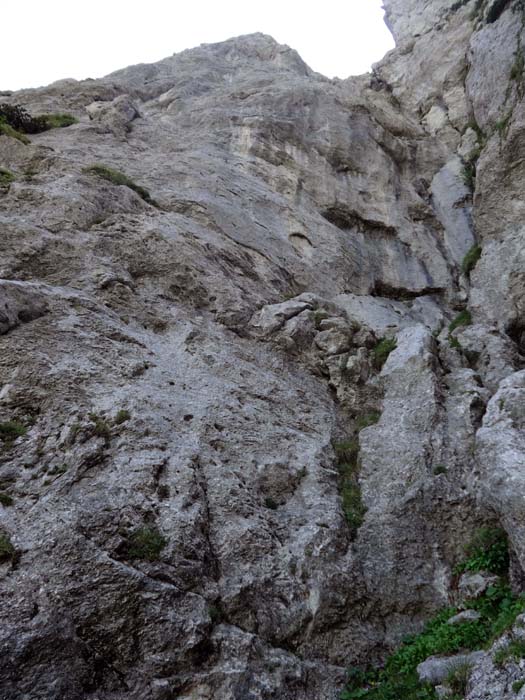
(174, 375)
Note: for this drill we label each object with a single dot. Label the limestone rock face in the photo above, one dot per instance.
(192, 365)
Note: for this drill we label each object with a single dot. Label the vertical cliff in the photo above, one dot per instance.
(262, 338)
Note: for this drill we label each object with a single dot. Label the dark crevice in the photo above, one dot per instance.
(387, 291)
(344, 218)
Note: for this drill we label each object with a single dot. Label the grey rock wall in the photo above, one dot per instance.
(189, 368)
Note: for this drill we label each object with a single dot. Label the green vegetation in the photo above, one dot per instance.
(367, 420)
(271, 503)
(439, 469)
(58, 470)
(348, 465)
(7, 551)
(473, 124)
(215, 613)
(514, 651)
(18, 119)
(518, 685)
(487, 551)
(8, 130)
(454, 342)
(118, 178)
(457, 680)
(471, 258)
(498, 608)
(59, 121)
(319, 315)
(122, 416)
(398, 679)
(101, 427)
(145, 543)
(10, 431)
(5, 499)
(382, 350)
(6, 177)
(462, 319)
(469, 173)
(502, 125)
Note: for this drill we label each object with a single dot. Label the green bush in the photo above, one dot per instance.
(19, 119)
(398, 678)
(471, 258)
(518, 685)
(7, 551)
(487, 551)
(271, 503)
(462, 319)
(118, 178)
(6, 177)
(11, 430)
(145, 543)
(382, 350)
(5, 499)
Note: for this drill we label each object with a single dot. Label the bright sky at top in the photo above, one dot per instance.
(43, 41)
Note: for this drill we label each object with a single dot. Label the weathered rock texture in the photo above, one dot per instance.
(298, 220)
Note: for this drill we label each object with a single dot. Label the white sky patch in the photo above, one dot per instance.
(44, 41)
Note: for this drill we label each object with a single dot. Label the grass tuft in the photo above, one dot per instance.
(145, 543)
(348, 465)
(513, 651)
(11, 430)
(59, 121)
(462, 319)
(382, 350)
(6, 177)
(122, 416)
(118, 178)
(471, 258)
(7, 551)
(368, 419)
(7, 130)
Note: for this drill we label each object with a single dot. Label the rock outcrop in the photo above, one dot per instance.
(186, 363)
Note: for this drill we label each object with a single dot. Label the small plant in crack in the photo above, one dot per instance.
(382, 350)
(145, 543)
(122, 416)
(348, 466)
(271, 503)
(101, 427)
(7, 551)
(5, 499)
(118, 178)
(471, 258)
(368, 419)
(10, 431)
(6, 177)
(488, 550)
(464, 318)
